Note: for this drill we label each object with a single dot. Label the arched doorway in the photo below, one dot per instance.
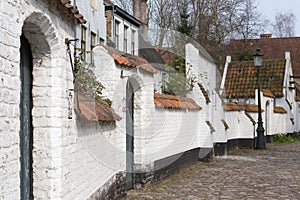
(36, 104)
(26, 128)
(129, 134)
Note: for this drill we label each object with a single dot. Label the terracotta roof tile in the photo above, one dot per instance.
(225, 124)
(251, 118)
(268, 93)
(238, 106)
(273, 48)
(175, 102)
(204, 92)
(278, 109)
(94, 110)
(241, 80)
(76, 13)
(212, 129)
(130, 60)
(231, 106)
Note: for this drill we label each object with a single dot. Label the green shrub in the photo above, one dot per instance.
(284, 138)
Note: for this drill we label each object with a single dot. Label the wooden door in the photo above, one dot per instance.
(129, 135)
(26, 120)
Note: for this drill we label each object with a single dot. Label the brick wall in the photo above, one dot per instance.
(108, 16)
(41, 21)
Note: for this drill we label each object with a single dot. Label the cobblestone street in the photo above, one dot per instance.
(244, 174)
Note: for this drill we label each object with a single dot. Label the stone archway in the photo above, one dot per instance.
(41, 37)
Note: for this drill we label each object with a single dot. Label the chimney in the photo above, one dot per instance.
(264, 36)
(140, 12)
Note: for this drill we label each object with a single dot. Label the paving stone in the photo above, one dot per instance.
(244, 174)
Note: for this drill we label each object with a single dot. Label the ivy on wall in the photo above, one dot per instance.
(85, 79)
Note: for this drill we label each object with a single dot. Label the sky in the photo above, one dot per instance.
(269, 8)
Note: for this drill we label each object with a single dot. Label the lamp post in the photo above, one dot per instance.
(260, 142)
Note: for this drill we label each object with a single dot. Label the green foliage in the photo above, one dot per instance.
(85, 79)
(177, 83)
(246, 55)
(184, 27)
(108, 101)
(283, 138)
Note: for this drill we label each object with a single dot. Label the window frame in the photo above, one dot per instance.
(83, 42)
(117, 25)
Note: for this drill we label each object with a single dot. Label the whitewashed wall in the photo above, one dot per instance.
(45, 29)
(93, 12)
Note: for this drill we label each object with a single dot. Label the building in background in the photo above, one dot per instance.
(122, 29)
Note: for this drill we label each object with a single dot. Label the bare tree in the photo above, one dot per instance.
(125, 5)
(284, 25)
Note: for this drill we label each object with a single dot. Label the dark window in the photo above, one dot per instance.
(93, 44)
(133, 41)
(125, 38)
(117, 32)
(83, 43)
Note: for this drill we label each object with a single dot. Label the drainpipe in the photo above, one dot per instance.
(228, 61)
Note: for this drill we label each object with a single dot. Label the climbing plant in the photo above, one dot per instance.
(85, 79)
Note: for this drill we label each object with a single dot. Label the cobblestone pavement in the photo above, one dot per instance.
(244, 174)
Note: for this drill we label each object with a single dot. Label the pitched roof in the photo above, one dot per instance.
(130, 60)
(175, 102)
(241, 80)
(94, 110)
(73, 9)
(239, 106)
(272, 48)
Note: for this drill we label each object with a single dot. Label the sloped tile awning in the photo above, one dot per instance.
(77, 15)
(268, 93)
(175, 102)
(129, 60)
(94, 110)
(204, 92)
(238, 106)
(278, 109)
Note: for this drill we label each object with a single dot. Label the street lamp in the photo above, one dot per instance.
(260, 142)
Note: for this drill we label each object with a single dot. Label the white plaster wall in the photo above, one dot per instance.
(204, 135)
(95, 156)
(220, 136)
(239, 124)
(205, 71)
(172, 132)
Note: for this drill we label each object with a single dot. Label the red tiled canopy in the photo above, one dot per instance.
(175, 102)
(74, 11)
(239, 106)
(130, 60)
(94, 110)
